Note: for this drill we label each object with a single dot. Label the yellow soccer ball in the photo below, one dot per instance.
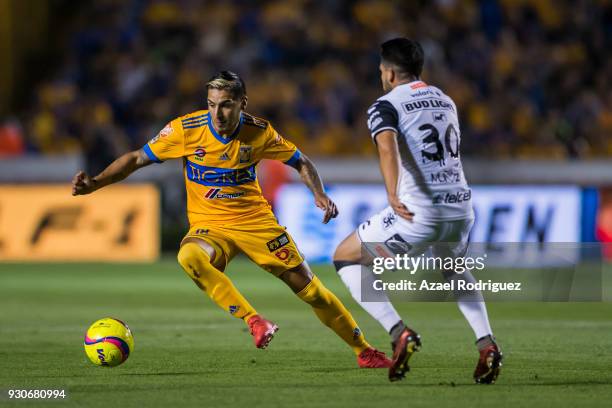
(108, 342)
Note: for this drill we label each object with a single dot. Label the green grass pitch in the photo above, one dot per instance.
(190, 353)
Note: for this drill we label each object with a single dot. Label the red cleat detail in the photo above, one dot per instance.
(489, 365)
(262, 331)
(408, 343)
(372, 358)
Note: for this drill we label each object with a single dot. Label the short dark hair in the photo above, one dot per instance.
(407, 55)
(228, 80)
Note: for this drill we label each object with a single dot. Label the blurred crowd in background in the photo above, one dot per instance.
(531, 78)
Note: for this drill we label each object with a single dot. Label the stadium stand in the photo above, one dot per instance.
(531, 78)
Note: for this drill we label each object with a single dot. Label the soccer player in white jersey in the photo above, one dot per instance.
(416, 130)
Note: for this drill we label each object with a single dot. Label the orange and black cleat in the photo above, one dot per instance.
(372, 358)
(489, 362)
(404, 347)
(262, 331)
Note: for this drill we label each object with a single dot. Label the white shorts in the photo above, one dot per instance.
(387, 234)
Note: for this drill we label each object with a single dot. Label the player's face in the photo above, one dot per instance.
(224, 110)
(385, 77)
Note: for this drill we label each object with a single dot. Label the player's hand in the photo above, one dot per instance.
(327, 205)
(82, 184)
(399, 208)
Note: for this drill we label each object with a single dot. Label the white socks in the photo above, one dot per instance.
(476, 314)
(471, 304)
(382, 310)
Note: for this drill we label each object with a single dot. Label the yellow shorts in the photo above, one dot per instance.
(262, 239)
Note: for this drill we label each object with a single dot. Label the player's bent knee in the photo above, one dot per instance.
(341, 252)
(185, 255)
(205, 245)
(349, 253)
(349, 249)
(190, 257)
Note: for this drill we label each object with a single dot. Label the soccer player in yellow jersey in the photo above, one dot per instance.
(220, 148)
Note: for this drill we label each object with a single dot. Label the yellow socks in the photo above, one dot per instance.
(333, 314)
(196, 263)
(328, 308)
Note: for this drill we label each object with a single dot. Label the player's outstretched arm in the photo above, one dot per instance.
(312, 180)
(388, 154)
(118, 170)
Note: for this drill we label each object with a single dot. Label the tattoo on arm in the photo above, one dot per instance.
(309, 175)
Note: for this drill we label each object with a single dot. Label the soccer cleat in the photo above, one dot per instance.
(489, 365)
(406, 345)
(262, 331)
(372, 358)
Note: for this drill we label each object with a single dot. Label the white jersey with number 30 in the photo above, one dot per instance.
(431, 180)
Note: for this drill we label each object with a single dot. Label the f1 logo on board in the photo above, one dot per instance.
(216, 193)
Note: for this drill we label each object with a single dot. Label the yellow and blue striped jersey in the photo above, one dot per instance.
(220, 172)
